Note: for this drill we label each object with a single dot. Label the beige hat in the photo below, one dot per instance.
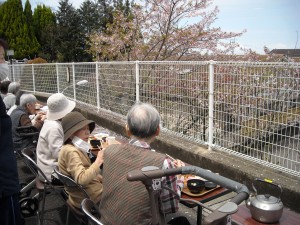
(59, 106)
(73, 122)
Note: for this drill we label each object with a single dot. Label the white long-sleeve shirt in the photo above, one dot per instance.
(49, 144)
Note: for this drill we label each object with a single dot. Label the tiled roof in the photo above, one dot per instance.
(287, 52)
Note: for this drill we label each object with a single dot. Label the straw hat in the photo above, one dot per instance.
(73, 122)
(59, 106)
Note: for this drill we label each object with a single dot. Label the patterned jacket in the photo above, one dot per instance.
(125, 202)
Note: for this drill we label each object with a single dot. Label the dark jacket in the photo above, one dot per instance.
(9, 181)
(20, 142)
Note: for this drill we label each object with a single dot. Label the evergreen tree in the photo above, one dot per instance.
(106, 14)
(14, 27)
(71, 38)
(89, 15)
(44, 21)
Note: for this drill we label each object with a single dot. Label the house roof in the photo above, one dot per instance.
(287, 52)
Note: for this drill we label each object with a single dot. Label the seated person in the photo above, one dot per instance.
(10, 99)
(17, 103)
(4, 88)
(118, 206)
(20, 118)
(74, 161)
(51, 137)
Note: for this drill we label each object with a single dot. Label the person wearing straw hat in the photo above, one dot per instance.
(52, 136)
(74, 160)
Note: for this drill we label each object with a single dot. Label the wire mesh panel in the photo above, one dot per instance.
(23, 74)
(179, 90)
(45, 78)
(255, 105)
(117, 86)
(86, 93)
(65, 78)
(257, 111)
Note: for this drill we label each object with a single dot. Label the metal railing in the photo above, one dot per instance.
(248, 109)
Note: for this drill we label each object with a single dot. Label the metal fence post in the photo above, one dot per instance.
(211, 105)
(137, 81)
(33, 78)
(57, 78)
(74, 82)
(13, 72)
(97, 86)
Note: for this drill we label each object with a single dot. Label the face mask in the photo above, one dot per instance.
(81, 144)
(4, 71)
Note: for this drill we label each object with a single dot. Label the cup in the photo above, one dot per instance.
(110, 140)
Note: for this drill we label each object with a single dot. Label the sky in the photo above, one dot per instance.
(271, 23)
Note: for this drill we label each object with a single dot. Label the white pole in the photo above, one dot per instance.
(211, 105)
(137, 81)
(74, 82)
(33, 78)
(57, 78)
(97, 86)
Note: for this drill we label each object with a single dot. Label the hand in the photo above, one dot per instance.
(178, 163)
(39, 118)
(99, 160)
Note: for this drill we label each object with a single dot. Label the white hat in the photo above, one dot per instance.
(59, 106)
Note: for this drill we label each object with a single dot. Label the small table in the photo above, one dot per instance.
(243, 216)
(203, 199)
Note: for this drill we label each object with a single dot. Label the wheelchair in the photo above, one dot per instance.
(28, 204)
(150, 176)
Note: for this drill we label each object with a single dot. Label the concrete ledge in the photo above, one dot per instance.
(227, 165)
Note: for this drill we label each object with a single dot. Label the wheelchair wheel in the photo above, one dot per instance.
(28, 206)
(24, 194)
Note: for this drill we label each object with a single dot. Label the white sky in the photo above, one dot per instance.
(271, 23)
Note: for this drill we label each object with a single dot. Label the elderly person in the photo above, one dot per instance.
(10, 98)
(20, 118)
(117, 205)
(74, 160)
(4, 88)
(17, 103)
(51, 137)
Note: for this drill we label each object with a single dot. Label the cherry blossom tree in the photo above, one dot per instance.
(163, 30)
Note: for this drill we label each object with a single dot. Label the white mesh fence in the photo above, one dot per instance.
(249, 109)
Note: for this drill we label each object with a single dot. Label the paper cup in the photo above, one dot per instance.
(110, 140)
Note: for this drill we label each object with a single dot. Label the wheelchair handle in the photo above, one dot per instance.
(147, 173)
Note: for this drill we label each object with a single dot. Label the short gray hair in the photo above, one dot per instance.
(143, 120)
(27, 98)
(13, 87)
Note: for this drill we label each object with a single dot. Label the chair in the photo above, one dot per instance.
(28, 132)
(43, 186)
(72, 185)
(90, 209)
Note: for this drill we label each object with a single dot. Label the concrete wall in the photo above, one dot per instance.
(227, 165)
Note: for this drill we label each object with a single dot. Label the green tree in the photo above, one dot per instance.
(14, 27)
(71, 38)
(44, 22)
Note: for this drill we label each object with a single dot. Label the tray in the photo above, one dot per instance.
(186, 191)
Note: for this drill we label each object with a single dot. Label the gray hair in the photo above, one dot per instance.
(143, 120)
(27, 98)
(13, 87)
